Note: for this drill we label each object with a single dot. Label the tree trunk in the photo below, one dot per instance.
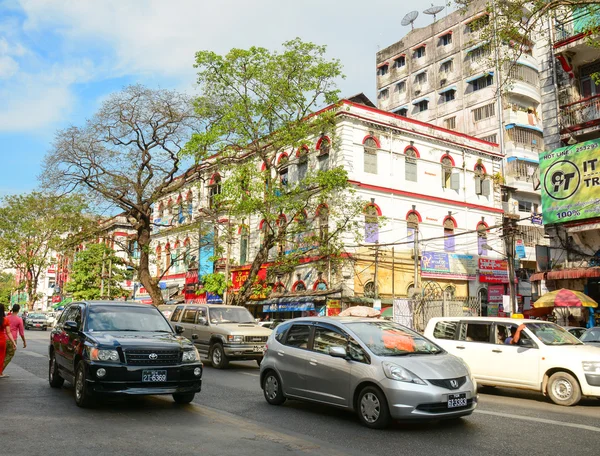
(261, 257)
(32, 295)
(146, 279)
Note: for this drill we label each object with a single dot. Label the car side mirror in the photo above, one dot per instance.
(338, 352)
(195, 336)
(70, 326)
(527, 343)
(202, 321)
(179, 329)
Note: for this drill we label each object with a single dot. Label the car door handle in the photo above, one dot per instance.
(313, 362)
(460, 347)
(281, 353)
(497, 351)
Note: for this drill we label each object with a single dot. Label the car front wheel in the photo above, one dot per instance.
(373, 408)
(217, 357)
(54, 378)
(272, 389)
(83, 396)
(183, 398)
(564, 389)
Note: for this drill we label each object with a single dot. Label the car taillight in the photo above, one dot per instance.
(266, 347)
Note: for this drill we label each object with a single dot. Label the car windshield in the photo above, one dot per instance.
(230, 315)
(126, 318)
(37, 316)
(591, 335)
(386, 338)
(551, 334)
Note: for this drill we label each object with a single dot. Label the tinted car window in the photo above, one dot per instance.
(280, 331)
(176, 313)
(591, 335)
(326, 338)
(356, 352)
(201, 314)
(298, 336)
(76, 316)
(189, 315)
(126, 318)
(445, 329)
(475, 331)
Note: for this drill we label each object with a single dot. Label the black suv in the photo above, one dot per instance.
(111, 347)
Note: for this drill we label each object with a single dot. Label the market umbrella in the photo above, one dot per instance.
(388, 312)
(360, 311)
(565, 298)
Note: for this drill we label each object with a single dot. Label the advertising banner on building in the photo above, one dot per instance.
(520, 248)
(493, 271)
(448, 266)
(334, 307)
(570, 182)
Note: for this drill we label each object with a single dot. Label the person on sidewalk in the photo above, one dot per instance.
(16, 327)
(5, 334)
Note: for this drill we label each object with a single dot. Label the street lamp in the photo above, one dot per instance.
(511, 275)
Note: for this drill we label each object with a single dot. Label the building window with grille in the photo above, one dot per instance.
(382, 70)
(491, 138)
(371, 223)
(402, 112)
(302, 163)
(448, 96)
(214, 190)
(420, 52)
(410, 165)
(383, 94)
(480, 53)
(369, 289)
(449, 239)
(283, 170)
(400, 62)
(482, 82)
(479, 179)
(446, 171)
(525, 206)
(446, 39)
(423, 105)
(370, 156)
(323, 157)
(421, 78)
(450, 123)
(484, 112)
(401, 87)
(244, 244)
(446, 67)
(526, 137)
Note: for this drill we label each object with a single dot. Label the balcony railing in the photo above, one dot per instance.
(580, 113)
(580, 21)
(533, 235)
(521, 170)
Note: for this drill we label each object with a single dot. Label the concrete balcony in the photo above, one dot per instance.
(525, 91)
(521, 174)
(580, 116)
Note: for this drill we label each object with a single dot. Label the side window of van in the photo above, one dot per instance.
(445, 329)
(474, 331)
(176, 313)
(189, 315)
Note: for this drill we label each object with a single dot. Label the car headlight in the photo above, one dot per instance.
(191, 355)
(396, 372)
(104, 355)
(235, 339)
(591, 367)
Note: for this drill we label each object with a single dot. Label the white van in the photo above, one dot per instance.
(547, 358)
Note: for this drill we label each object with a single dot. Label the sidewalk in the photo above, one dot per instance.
(38, 420)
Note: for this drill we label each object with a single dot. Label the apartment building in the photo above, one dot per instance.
(446, 74)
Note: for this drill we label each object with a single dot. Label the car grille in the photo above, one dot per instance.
(441, 407)
(446, 383)
(146, 357)
(255, 339)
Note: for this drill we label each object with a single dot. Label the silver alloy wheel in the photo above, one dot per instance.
(216, 356)
(271, 387)
(79, 386)
(562, 389)
(370, 408)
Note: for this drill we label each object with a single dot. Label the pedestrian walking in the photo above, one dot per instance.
(16, 328)
(5, 334)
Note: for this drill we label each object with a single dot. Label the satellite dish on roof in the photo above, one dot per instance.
(409, 19)
(433, 10)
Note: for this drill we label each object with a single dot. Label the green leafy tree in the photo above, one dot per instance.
(257, 104)
(127, 157)
(32, 227)
(7, 285)
(96, 273)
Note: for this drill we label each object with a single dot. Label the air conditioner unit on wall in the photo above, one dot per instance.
(442, 82)
(417, 92)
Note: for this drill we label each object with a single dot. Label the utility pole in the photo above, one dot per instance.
(509, 227)
(393, 276)
(376, 271)
(228, 240)
(102, 273)
(416, 257)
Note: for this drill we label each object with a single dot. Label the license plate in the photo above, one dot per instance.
(258, 349)
(154, 376)
(37, 324)
(457, 400)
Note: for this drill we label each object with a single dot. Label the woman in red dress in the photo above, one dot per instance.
(5, 334)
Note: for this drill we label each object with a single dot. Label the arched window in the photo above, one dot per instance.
(369, 289)
(372, 213)
(168, 258)
(323, 147)
(301, 234)
(320, 285)
(279, 287)
(282, 169)
(447, 164)
(180, 216)
(161, 210)
(450, 292)
(158, 260)
(170, 208)
(214, 190)
(481, 238)
(244, 244)
(176, 258)
(302, 155)
(449, 239)
(412, 225)
(479, 179)
(190, 205)
(370, 155)
(323, 222)
(410, 291)
(410, 164)
(299, 286)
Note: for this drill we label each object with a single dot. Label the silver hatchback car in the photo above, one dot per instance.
(378, 368)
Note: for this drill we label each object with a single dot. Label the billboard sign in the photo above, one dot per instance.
(570, 182)
(448, 265)
(493, 271)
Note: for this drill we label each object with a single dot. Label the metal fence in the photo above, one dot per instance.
(416, 313)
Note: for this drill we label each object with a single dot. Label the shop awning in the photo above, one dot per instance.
(565, 274)
(417, 73)
(479, 76)
(383, 64)
(449, 59)
(447, 89)
(419, 100)
(529, 127)
(477, 46)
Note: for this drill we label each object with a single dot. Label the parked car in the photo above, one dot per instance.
(377, 368)
(271, 324)
(120, 347)
(547, 358)
(167, 310)
(591, 336)
(222, 333)
(577, 331)
(36, 320)
(51, 319)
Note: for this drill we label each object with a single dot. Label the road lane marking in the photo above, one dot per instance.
(32, 353)
(248, 373)
(540, 420)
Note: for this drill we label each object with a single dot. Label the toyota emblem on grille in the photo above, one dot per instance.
(454, 383)
(155, 356)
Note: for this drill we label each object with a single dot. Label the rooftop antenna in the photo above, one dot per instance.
(409, 19)
(433, 11)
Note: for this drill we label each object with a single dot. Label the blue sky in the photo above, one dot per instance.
(60, 58)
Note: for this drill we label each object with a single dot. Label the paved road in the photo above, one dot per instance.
(230, 416)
